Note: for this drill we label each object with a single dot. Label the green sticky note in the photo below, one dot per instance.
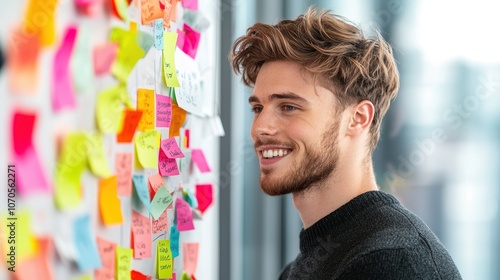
(164, 265)
(185, 276)
(160, 202)
(129, 52)
(123, 263)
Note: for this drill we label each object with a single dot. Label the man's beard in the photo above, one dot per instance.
(316, 166)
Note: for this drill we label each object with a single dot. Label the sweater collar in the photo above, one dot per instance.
(311, 236)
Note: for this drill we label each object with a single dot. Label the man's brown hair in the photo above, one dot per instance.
(333, 50)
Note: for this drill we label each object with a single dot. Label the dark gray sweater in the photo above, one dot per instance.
(371, 237)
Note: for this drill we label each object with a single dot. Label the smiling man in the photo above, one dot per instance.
(320, 91)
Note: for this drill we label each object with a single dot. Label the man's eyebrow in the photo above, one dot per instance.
(283, 95)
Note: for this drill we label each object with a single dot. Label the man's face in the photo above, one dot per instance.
(295, 129)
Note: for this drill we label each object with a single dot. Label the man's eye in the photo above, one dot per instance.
(256, 109)
(289, 108)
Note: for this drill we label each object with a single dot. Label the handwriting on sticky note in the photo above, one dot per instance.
(63, 95)
(170, 148)
(123, 170)
(109, 202)
(184, 215)
(161, 223)
(167, 166)
(174, 241)
(146, 145)
(160, 202)
(204, 195)
(178, 119)
(88, 254)
(158, 34)
(141, 189)
(168, 59)
(97, 158)
(107, 252)
(130, 122)
(164, 259)
(163, 110)
(141, 235)
(155, 181)
(150, 10)
(189, 95)
(104, 56)
(123, 263)
(145, 103)
(190, 252)
(199, 159)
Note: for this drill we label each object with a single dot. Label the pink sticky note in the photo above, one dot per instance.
(123, 170)
(184, 215)
(63, 95)
(181, 37)
(107, 253)
(22, 131)
(199, 159)
(191, 41)
(204, 196)
(163, 110)
(190, 4)
(190, 253)
(170, 148)
(141, 236)
(161, 224)
(104, 56)
(88, 7)
(167, 166)
(155, 182)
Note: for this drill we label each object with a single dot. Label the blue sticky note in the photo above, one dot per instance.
(141, 189)
(88, 257)
(158, 33)
(190, 198)
(174, 241)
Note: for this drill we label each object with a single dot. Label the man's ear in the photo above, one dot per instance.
(361, 118)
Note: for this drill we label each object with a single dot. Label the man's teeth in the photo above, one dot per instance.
(274, 153)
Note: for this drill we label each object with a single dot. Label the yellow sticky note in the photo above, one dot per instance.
(147, 145)
(146, 103)
(168, 59)
(18, 227)
(109, 203)
(109, 107)
(129, 52)
(97, 158)
(163, 259)
(69, 169)
(39, 19)
(123, 263)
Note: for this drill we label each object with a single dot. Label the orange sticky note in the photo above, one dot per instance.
(178, 119)
(123, 169)
(190, 251)
(146, 103)
(166, 13)
(130, 121)
(141, 236)
(39, 19)
(23, 62)
(109, 203)
(155, 182)
(150, 10)
(107, 251)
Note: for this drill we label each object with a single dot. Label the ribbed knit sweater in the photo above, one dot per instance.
(371, 237)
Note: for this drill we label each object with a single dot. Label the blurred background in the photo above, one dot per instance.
(439, 152)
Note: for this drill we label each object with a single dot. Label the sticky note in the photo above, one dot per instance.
(184, 215)
(37, 267)
(141, 236)
(167, 13)
(141, 189)
(39, 19)
(103, 57)
(170, 148)
(63, 96)
(129, 53)
(130, 121)
(147, 144)
(146, 103)
(88, 7)
(178, 119)
(174, 241)
(204, 196)
(70, 166)
(109, 106)
(150, 10)
(167, 166)
(190, 4)
(199, 159)
(158, 33)
(136, 275)
(160, 224)
(190, 41)
(163, 110)
(82, 69)
(107, 252)
(97, 158)
(168, 59)
(123, 263)
(163, 259)
(155, 182)
(87, 253)
(30, 176)
(123, 170)
(190, 198)
(190, 253)
(109, 203)
(189, 95)
(160, 202)
(23, 61)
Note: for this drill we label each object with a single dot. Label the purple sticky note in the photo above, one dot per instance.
(163, 110)
(184, 215)
(167, 166)
(63, 95)
(170, 148)
(199, 159)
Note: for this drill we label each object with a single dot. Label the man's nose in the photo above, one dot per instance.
(265, 124)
